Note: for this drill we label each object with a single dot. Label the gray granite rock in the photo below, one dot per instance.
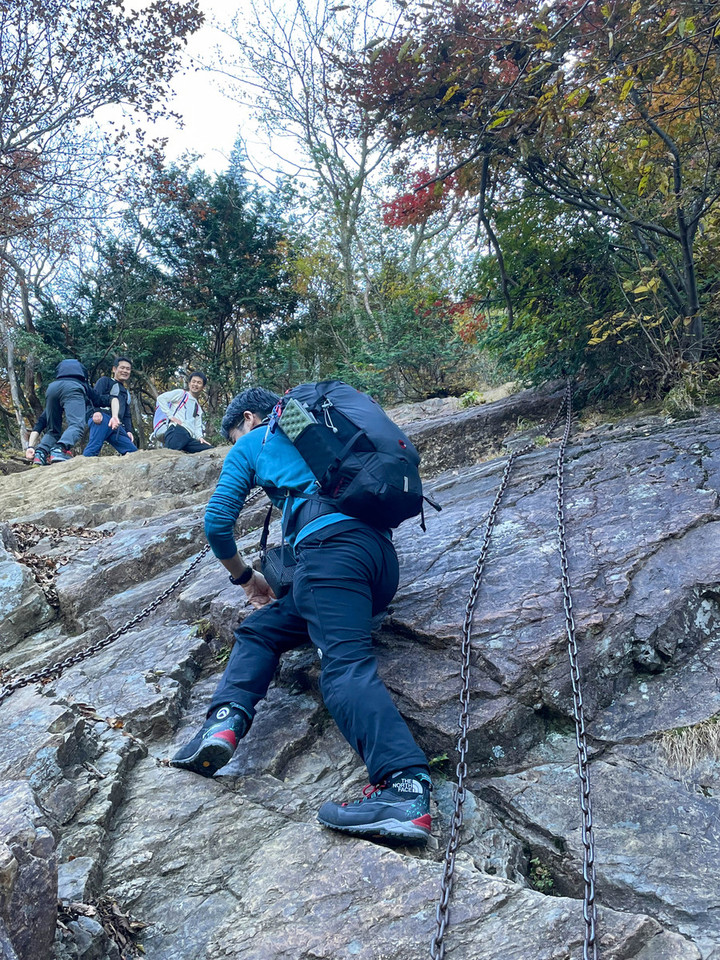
(449, 439)
(261, 884)
(494, 850)
(237, 866)
(23, 607)
(28, 873)
(94, 490)
(658, 839)
(642, 522)
(7, 951)
(85, 939)
(121, 562)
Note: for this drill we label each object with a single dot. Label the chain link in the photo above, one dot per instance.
(55, 670)
(589, 906)
(437, 944)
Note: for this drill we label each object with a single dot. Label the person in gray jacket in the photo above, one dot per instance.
(178, 417)
(71, 395)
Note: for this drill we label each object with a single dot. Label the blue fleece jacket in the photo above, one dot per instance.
(268, 460)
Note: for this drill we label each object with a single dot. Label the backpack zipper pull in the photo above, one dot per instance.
(326, 414)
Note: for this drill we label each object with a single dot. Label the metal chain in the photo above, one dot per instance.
(55, 670)
(589, 907)
(437, 945)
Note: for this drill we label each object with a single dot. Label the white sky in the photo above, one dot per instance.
(211, 120)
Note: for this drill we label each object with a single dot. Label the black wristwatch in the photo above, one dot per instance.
(243, 578)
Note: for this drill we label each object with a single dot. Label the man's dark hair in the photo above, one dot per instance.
(198, 373)
(257, 400)
(118, 360)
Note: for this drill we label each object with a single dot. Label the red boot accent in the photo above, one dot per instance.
(226, 735)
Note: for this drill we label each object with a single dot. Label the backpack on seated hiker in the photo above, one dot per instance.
(161, 420)
(364, 464)
(160, 423)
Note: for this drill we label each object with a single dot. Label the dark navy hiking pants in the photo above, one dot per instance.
(101, 432)
(64, 396)
(342, 580)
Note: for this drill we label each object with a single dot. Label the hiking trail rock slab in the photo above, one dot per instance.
(28, 873)
(238, 866)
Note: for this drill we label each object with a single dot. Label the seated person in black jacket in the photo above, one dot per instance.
(110, 425)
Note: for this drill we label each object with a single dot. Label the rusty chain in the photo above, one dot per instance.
(437, 944)
(55, 670)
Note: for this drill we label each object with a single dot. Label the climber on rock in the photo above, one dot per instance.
(347, 572)
(69, 395)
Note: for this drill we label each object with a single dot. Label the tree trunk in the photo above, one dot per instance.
(693, 328)
(495, 243)
(13, 381)
(136, 412)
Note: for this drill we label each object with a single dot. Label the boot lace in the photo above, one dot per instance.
(369, 792)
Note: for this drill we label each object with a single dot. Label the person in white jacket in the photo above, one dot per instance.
(178, 417)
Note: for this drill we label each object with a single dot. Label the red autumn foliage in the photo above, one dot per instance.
(470, 325)
(420, 202)
(464, 316)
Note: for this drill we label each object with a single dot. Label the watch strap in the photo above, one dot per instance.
(243, 578)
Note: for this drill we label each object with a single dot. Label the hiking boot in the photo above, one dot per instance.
(399, 808)
(58, 454)
(40, 459)
(215, 742)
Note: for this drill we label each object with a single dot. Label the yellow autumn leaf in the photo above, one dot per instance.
(402, 52)
(501, 117)
(627, 87)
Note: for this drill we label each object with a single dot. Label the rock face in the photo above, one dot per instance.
(238, 866)
(28, 873)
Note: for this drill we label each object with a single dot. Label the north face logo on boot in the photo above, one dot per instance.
(407, 785)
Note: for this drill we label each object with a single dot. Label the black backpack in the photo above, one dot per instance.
(364, 464)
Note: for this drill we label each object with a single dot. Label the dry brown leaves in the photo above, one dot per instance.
(120, 927)
(43, 568)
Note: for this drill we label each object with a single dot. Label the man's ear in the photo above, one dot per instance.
(248, 416)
